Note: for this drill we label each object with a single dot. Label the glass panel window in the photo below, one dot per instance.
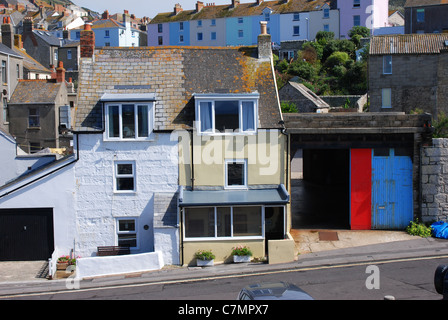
(356, 21)
(206, 116)
(386, 98)
(128, 121)
(127, 232)
(326, 13)
(247, 221)
(226, 115)
(199, 222)
(387, 64)
(420, 15)
(124, 176)
(236, 173)
(33, 118)
(296, 30)
(356, 3)
(223, 222)
(4, 78)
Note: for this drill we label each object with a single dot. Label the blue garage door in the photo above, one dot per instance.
(392, 205)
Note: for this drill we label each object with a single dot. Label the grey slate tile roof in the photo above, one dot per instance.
(35, 91)
(174, 74)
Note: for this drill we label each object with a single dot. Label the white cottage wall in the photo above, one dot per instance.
(98, 207)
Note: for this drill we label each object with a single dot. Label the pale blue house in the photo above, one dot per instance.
(112, 33)
(237, 24)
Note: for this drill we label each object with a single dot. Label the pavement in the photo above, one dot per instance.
(315, 248)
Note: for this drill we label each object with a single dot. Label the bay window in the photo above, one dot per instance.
(221, 114)
(128, 121)
(223, 222)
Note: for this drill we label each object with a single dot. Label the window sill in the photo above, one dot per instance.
(125, 192)
(252, 133)
(33, 128)
(239, 238)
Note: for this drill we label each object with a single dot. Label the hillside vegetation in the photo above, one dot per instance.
(328, 66)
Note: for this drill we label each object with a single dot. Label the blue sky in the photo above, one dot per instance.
(146, 8)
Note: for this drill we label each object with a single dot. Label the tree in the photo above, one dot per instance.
(364, 32)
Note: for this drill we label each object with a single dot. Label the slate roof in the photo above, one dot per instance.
(421, 3)
(430, 43)
(174, 74)
(30, 63)
(242, 10)
(35, 91)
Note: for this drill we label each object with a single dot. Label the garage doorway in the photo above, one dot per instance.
(26, 234)
(320, 189)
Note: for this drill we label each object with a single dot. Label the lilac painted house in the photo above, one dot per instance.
(372, 14)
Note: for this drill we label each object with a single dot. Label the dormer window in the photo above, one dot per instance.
(131, 119)
(226, 114)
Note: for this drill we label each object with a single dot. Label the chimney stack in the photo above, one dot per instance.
(105, 15)
(235, 3)
(264, 42)
(87, 41)
(259, 2)
(27, 25)
(177, 8)
(60, 72)
(7, 33)
(66, 34)
(199, 6)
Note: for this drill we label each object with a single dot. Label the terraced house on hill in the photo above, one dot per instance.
(180, 149)
(237, 23)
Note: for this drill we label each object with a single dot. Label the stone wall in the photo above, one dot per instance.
(434, 179)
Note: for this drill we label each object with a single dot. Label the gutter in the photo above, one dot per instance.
(74, 159)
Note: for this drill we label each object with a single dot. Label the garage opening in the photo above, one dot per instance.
(26, 234)
(320, 189)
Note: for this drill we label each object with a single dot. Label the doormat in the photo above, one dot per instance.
(328, 236)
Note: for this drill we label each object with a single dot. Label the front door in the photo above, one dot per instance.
(274, 228)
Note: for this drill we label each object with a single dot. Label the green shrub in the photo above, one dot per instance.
(418, 229)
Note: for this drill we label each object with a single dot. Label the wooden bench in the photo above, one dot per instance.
(113, 250)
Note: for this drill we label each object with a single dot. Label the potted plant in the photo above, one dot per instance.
(65, 261)
(204, 258)
(241, 254)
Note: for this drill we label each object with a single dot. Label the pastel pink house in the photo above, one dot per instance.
(372, 14)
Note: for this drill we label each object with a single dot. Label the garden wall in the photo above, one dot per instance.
(434, 179)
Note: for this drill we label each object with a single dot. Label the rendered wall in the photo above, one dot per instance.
(221, 249)
(98, 206)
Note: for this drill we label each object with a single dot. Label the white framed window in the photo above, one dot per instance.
(296, 30)
(356, 20)
(326, 13)
(387, 64)
(33, 118)
(296, 17)
(386, 98)
(356, 3)
(124, 177)
(235, 174)
(215, 223)
(127, 232)
(240, 33)
(226, 114)
(129, 121)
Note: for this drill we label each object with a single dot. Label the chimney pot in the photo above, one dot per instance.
(264, 42)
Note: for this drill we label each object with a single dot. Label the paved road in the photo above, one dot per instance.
(405, 280)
